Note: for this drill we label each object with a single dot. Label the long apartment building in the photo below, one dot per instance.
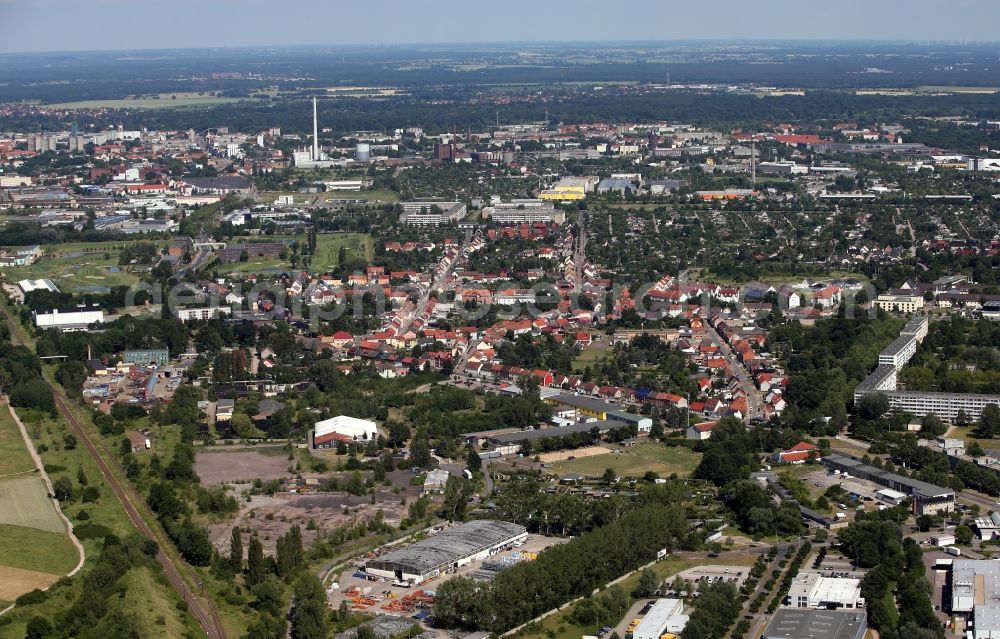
(919, 403)
(432, 213)
(524, 211)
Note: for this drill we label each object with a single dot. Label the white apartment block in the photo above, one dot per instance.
(206, 313)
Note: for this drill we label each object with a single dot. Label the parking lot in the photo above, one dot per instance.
(822, 479)
(380, 596)
(734, 574)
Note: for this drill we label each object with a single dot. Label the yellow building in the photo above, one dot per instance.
(563, 193)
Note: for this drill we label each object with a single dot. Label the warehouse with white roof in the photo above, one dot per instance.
(345, 429)
(663, 618)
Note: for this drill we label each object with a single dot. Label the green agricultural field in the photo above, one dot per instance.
(635, 462)
(33, 549)
(14, 458)
(24, 501)
(160, 101)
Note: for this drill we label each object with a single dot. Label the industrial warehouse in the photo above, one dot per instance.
(928, 499)
(452, 548)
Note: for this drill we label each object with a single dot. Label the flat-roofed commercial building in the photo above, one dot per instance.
(812, 590)
(928, 499)
(447, 550)
(69, 319)
(511, 443)
(975, 595)
(663, 618)
(146, 356)
(600, 410)
(796, 623)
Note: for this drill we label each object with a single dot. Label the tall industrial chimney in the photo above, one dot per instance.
(315, 134)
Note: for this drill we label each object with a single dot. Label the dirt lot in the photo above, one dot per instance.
(240, 464)
(383, 592)
(589, 451)
(273, 516)
(14, 582)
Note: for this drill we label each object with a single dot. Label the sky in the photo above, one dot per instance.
(75, 25)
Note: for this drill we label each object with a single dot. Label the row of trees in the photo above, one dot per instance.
(560, 573)
(875, 542)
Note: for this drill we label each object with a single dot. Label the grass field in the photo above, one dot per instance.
(327, 253)
(79, 267)
(590, 355)
(14, 458)
(635, 462)
(158, 619)
(24, 501)
(33, 549)
(158, 101)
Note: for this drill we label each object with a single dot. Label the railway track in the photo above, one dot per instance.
(204, 612)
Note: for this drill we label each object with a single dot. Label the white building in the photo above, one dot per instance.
(205, 313)
(900, 302)
(69, 319)
(664, 617)
(27, 286)
(524, 212)
(899, 352)
(435, 481)
(432, 213)
(890, 496)
(352, 427)
(975, 595)
(811, 590)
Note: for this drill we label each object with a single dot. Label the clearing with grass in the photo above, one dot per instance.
(635, 461)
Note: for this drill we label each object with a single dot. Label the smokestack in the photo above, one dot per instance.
(315, 134)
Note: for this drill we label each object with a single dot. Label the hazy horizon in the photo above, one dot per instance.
(27, 26)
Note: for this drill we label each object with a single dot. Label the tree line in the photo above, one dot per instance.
(560, 573)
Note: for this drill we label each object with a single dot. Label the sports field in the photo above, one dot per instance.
(634, 462)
